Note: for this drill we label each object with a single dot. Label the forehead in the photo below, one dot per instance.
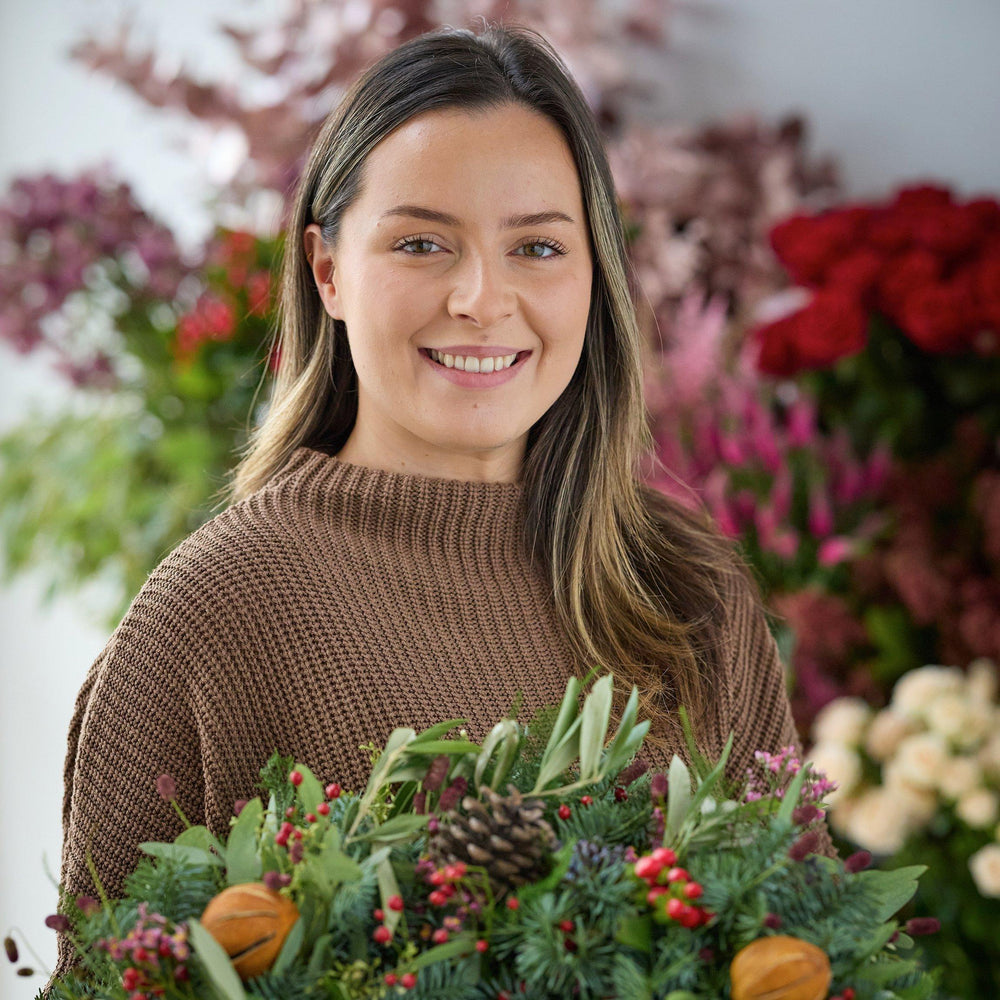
(505, 159)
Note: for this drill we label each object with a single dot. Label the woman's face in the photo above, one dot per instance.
(463, 274)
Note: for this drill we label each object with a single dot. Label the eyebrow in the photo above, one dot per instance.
(511, 222)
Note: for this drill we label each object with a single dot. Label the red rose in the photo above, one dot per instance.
(986, 211)
(921, 197)
(940, 318)
(887, 230)
(985, 275)
(857, 274)
(808, 245)
(951, 230)
(903, 275)
(832, 326)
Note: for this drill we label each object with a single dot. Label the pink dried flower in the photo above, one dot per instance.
(166, 787)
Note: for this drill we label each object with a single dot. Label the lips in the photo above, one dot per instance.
(471, 363)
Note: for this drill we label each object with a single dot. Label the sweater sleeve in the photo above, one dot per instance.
(132, 722)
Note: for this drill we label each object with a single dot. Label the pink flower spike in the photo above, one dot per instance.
(835, 550)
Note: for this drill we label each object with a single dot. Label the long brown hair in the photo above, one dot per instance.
(637, 580)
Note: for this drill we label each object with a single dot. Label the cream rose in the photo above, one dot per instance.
(981, 680)
(959, 776)
(843, 720)
(950, 716)
(989, 756)
(840, 764)
(985, 868)
(878, 821)
(918, 761)
(978, 808)
(917, 692)
(886, 732)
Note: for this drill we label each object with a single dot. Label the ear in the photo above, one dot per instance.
(320, 260)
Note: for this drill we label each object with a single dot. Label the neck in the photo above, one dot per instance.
(496, 465)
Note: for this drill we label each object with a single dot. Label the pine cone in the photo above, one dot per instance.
(505, 834)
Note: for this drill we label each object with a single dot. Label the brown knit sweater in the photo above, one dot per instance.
(315, 616)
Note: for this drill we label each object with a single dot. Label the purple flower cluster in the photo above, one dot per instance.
(154, 952)
(52, 234)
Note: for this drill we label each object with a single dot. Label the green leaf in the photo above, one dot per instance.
(388, 886)
(568, 713)
(506, 737)
(713, 777)
(243, 863)
(594, 726)
(436, 732)
(636, 932)
(215, 962)
(395, 828)
(892, 890)
(200, 836)
(454, 748)
(336, 865)
(791, 800)
(678, 797)
(560, 758)
(290, 948)
(181, 852)
(310, 792)
(461, 944)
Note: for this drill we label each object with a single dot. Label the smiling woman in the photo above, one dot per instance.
(439, 516)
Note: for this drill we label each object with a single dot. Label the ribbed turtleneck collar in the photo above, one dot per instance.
(475, 514)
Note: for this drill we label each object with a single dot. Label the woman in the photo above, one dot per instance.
(439, 515)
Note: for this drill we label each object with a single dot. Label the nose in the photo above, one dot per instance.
(481, 293)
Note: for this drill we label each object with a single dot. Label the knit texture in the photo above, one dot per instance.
(315, 616)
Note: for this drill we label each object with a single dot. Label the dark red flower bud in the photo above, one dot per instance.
(858, 862)
(10, 946)
(807, 844)
(452, 795)
(57, 921)
(239, 805)
(804, 815)
(658, 786)
(919, 926)
(436, 773)
(166, 787)
(633, 772)
(772, 921)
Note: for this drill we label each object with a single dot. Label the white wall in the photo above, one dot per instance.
(896, 88)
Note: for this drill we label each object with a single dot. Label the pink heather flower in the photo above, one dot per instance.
(820, 514)
(919, 926)
(807, 844)
(858, 862)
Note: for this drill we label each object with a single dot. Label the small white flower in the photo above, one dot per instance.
(919, 760)
(949, 715)
(840, 764)
(917, 692)
(978, 808)
(985, 868)
(886, 732)
(959, 776)
(843, 720)
(989, 756)
(877, 822)
(981, 680)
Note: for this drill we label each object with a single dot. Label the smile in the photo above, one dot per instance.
(483, 366)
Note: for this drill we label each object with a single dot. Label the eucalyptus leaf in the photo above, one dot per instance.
(388, 886)
(395, 828)
(215, 962)
(243, 862)
(679, 797)
(181, 852)
(310, 792)
(594, 726)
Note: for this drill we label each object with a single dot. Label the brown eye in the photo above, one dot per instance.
(541, 249)
(417, 246)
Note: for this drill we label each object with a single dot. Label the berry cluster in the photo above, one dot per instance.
(157, 955)
(672, 892)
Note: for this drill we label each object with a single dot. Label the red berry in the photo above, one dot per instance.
(513, 903)
(565, 812)
(390, 979)
(409, 980)
(323, 809)
(665, 857)
(586, 800)
(620, 795)
(567, 926)
(295, 778)
(281, 839)
(690, 916)
(848, 993)
(654, 894)
(379, 915)
(674, 909)
(647, 867)
(438, 897)
(455, 871)
(482, 945)
(439, 936)
(395, 903)
(297, 834)
(382, 934)
(678, 875)
(333, 790)
(310, 817)
(438, 877)
(290, 812)
(693, 890)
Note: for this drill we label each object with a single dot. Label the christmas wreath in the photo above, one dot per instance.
(546, 862)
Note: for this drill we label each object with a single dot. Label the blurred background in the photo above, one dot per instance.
(811, 195)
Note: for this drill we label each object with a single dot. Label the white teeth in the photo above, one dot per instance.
(483, 366)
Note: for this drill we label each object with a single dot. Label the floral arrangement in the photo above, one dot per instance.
(547, 861)
(921, 778)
